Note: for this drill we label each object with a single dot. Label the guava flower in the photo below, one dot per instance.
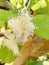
(10, 42)
(22, 27)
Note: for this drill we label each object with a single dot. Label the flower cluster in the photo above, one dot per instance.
(22, 27)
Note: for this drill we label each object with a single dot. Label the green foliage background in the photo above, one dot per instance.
(41, 21)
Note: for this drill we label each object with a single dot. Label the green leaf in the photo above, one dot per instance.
(32, 2)
(13, 2)
(3, 17)
(36, 4)
(42, 25)
(44, 10)
(39, 6)
(34, 62)
(6, 15)
(13, 13)
(6, 55)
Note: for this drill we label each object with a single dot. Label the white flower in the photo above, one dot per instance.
(22, 27)
(10, 42)
(9, 35)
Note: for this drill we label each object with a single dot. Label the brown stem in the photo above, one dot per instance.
(24, 52)
(41, 48)
(34, 48)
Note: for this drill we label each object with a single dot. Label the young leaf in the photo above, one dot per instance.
(42, 25)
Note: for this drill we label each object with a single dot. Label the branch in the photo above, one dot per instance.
(40, 49)
(24, 52)
(34, 48)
